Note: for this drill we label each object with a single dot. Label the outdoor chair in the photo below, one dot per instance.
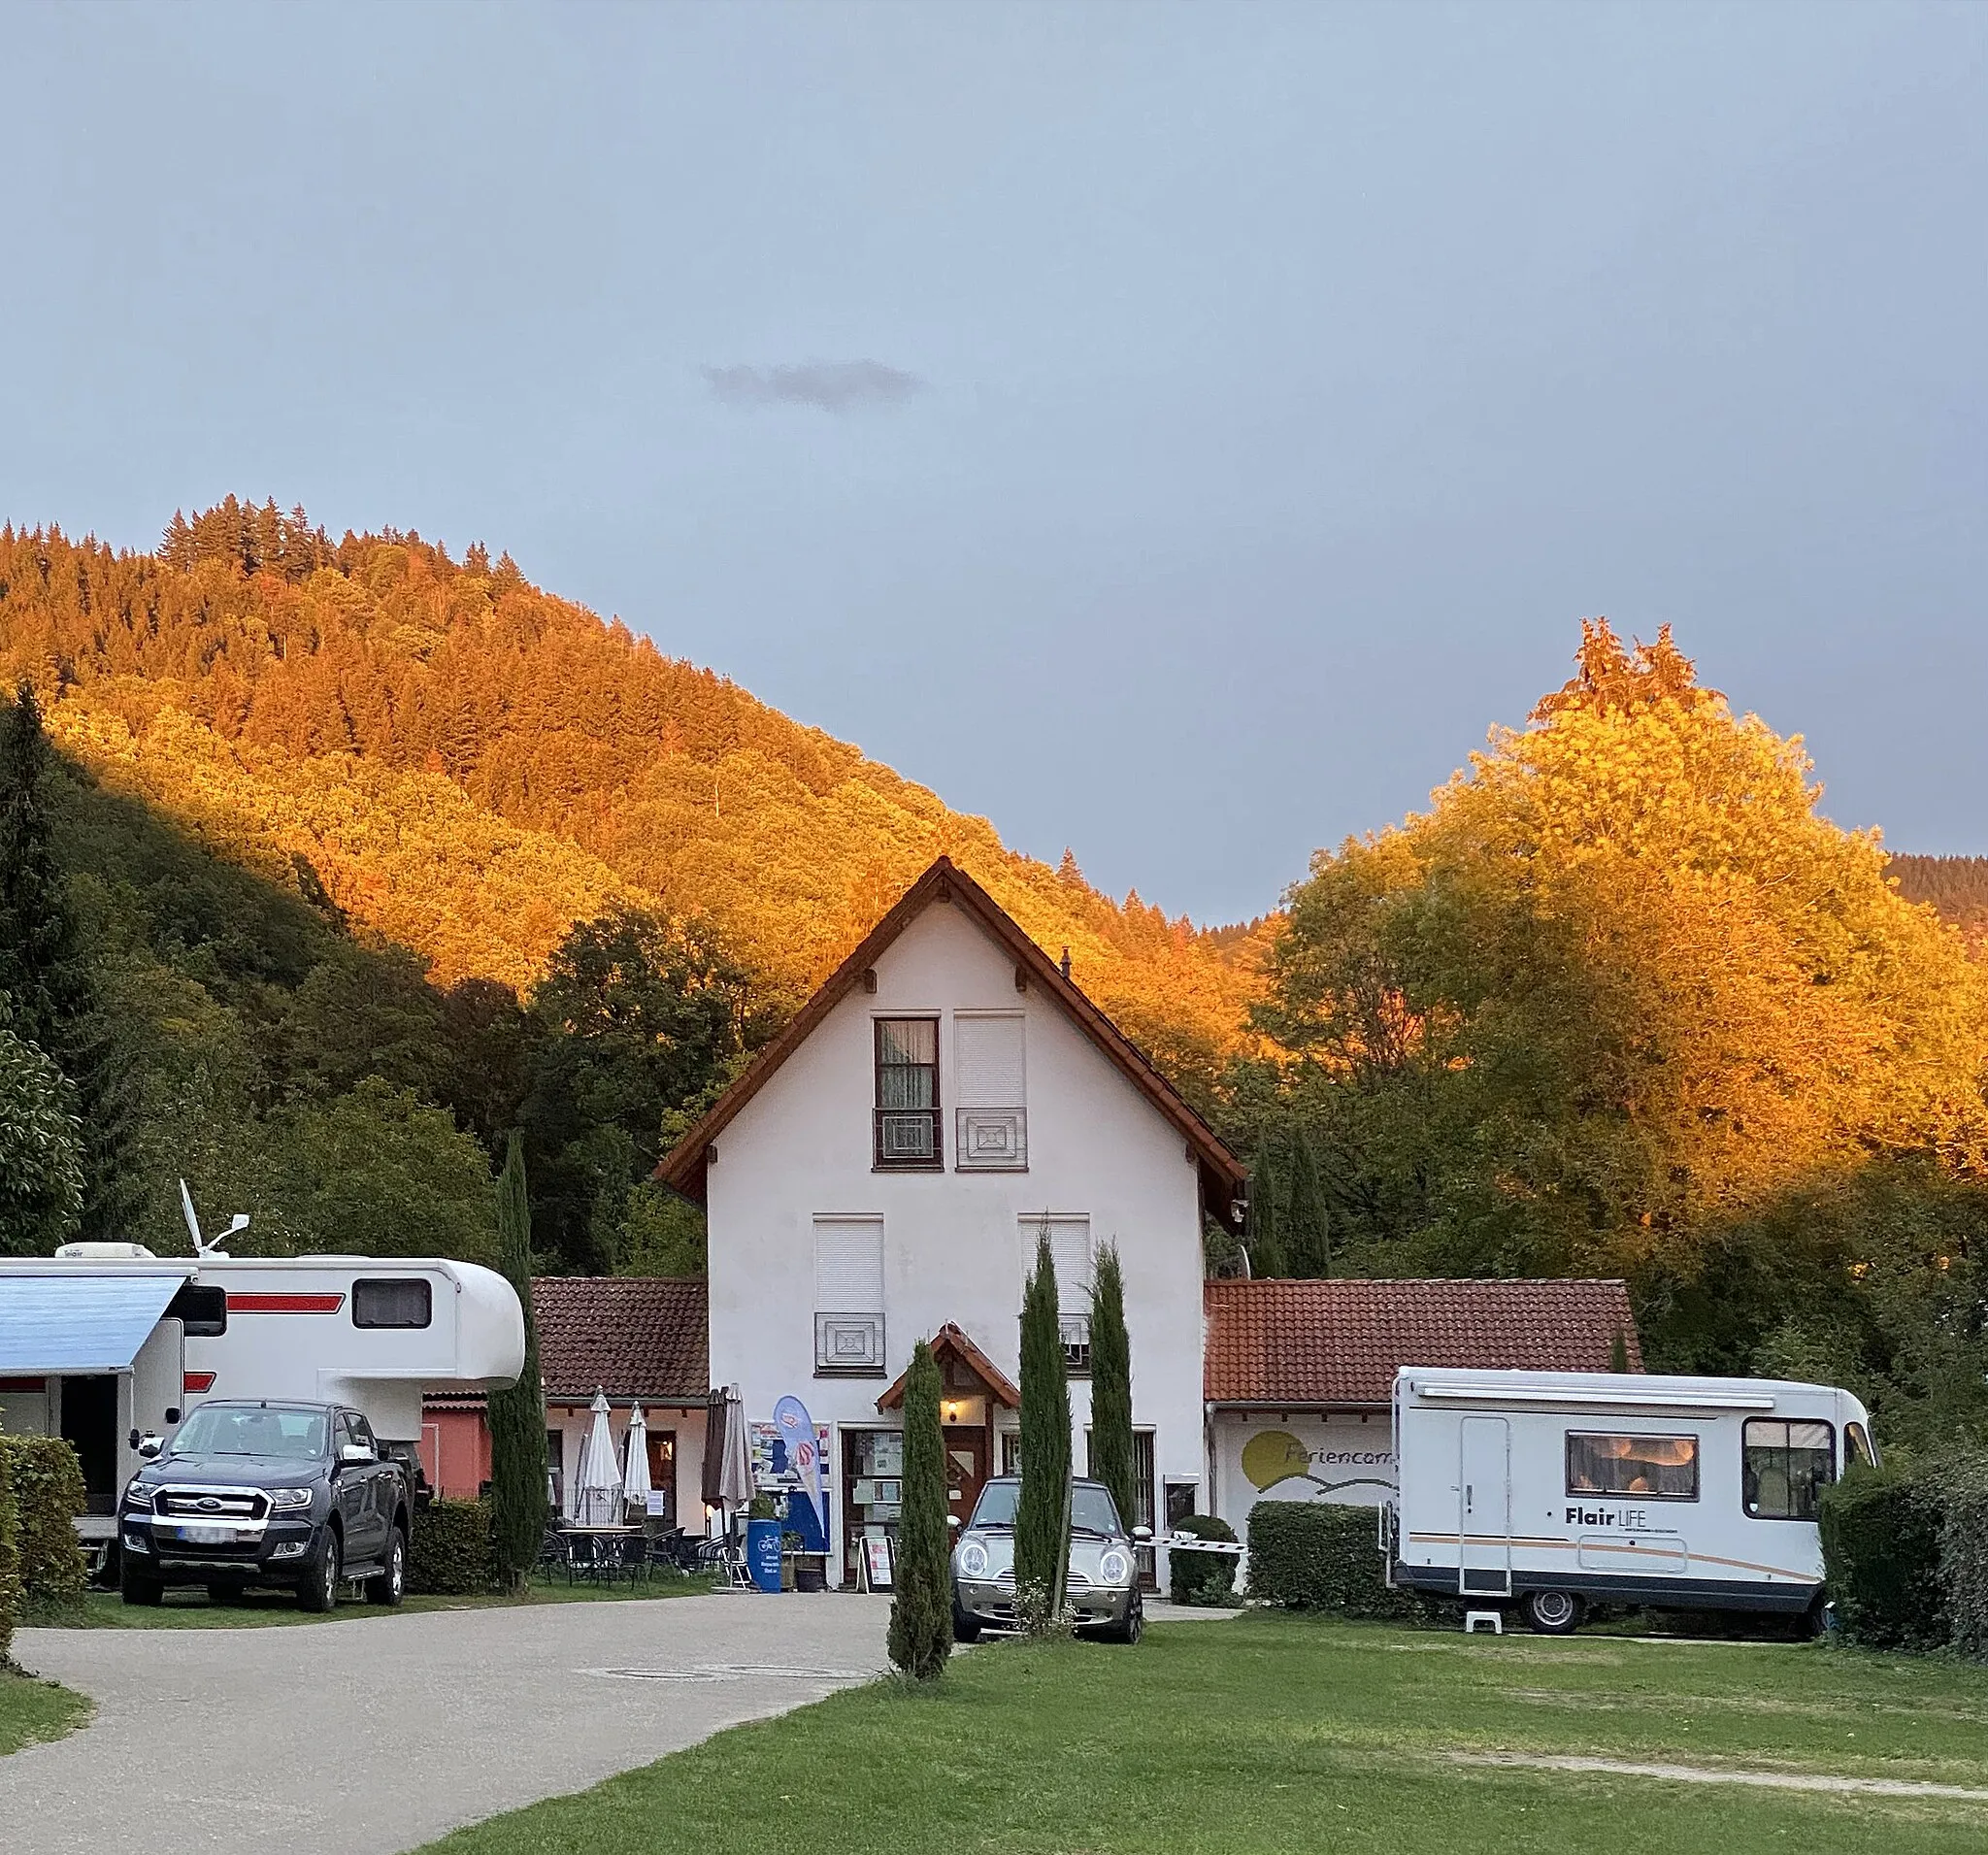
(553, 1555)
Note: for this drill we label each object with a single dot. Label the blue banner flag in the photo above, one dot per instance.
(804, 1451)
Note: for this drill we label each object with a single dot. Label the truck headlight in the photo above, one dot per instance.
(973, 1560)
(1115, 1568)
(138, 1500)
(289, 1497)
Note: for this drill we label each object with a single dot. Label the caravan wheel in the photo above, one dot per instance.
(1552, 1612)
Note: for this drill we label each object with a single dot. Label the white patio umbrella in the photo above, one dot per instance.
(635, 1486)
(597, 1488)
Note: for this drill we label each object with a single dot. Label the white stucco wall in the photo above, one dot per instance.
(953, 1251)
(1293, 1455)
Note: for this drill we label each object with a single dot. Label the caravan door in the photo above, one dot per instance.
(1484, 1496)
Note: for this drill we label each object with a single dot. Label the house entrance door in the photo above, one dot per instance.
(966, 1469)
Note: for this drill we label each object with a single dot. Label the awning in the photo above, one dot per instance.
(80, 1323)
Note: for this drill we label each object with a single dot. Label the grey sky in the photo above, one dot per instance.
(1174, 431)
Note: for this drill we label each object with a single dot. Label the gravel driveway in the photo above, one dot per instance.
(374, 1736)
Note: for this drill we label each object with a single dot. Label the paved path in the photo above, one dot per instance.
(374, 1736)
(1723, 1775)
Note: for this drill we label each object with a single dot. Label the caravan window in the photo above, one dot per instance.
(1785, 1467)
(1657, 1468)
(391, 1303)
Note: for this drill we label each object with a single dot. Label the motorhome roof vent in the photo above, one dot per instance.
(104, 1253)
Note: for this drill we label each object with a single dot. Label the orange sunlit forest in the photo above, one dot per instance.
(375, 853)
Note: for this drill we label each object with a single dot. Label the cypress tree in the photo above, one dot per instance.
(1262, 1235)
(921, 1594)
(517, 1416)
(1307, 1228)
(1041, 1520)
(44, 970)
(1111, 1383)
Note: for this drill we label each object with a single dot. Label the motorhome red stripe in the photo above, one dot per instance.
(198, 1381)
(248, 1303)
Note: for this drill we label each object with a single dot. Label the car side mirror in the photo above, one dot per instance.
(1143, 1535)
(952, 1520)
(356, 1452)
(150, 1447)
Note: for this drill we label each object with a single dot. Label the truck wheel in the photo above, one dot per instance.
(134, 1587)
(319, 1590)
(390, 1586)
(1552, 1612)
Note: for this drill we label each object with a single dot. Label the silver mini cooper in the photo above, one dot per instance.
(1102, 1593)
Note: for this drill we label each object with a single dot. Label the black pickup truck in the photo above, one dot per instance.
(293, 1495)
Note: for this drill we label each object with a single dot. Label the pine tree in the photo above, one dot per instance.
(1111, 1383)
(517, 1416)
(1041, 1520)
(53, 987)
(921, 1595)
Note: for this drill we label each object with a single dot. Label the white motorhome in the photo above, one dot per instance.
(1564, 1489)
(107, 1343)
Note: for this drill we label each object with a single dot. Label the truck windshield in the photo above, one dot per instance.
(250, 1430)
(1091, 1507)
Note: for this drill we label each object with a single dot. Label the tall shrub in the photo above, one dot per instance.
(1964, 1555)
(1041, 1520)
(10, 1562)
(1111, 1383)
(1880, 1547)
(47, 1495)
(921, 1595)
(517, 1416)
(1317, 1555)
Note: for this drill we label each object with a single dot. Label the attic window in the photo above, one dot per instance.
(907, 1135)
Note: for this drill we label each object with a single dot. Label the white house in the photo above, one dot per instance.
(881, 1173)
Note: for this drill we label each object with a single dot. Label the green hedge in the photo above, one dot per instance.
(1321, 1556)
(1203, 1577)
(454, 1550)
(1881, 1534)
(1964, 1555)
(48, 1496)
(10, 1562)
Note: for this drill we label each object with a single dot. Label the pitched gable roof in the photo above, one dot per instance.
(1279, 1344)
(629, 1336)
(953, 1343)
(1222, 1173)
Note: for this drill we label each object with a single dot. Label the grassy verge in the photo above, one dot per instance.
(194, 1611)
(33, 1711)
(1280, 1734)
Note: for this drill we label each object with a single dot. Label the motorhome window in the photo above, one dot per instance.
(1659, 1468)
(392, 1304)
(1857, 1446)
(251, 1429)
(202, 1311)
(1784, 1467)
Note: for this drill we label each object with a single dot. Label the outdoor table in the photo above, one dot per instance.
(592, 1566)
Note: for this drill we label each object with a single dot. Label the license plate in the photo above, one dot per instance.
(207, 1535)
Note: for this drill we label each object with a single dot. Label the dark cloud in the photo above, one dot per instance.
(835, 386)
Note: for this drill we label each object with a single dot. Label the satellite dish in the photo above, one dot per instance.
(205, 1251)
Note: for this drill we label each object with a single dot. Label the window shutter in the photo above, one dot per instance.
(988, 1061)
(1069, 1242)
(849, 1265)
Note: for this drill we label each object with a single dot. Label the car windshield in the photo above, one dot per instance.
(251, 1429)
(1090, 1507)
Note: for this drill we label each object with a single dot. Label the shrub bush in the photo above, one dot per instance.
(1203, 1577)
(1321, 1556)
(1964, 1555)
(10, 1560)
(48, 1496)
(453, 1551)
(1880, 1545)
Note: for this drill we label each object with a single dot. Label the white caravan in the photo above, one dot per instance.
(1560, 1489)
(107, 1343)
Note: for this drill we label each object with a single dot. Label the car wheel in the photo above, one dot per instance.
(134, 1587)
(966, 1626)
(1134, 1626)
(319, 1590)
(390, 1586)
(1552, 1612)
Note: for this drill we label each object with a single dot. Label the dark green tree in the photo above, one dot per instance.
(1261, 1236)
(517, 1416)
(51, 980)
(921, 1596)
(41, 1174)
(1041, 1521)
(1111, 1383)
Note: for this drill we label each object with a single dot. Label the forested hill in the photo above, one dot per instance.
(1957, 886)
(468, 764)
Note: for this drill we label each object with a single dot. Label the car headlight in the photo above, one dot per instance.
(289, 1497)
(973, 1560)
(1115, 1568)
(138, 1498)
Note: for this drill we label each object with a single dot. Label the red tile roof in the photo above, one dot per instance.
(630, 1336)
(1340, 1342)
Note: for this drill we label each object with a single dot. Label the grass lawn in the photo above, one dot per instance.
(191, 1609)
(32, 1711)
(1291, 1734)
